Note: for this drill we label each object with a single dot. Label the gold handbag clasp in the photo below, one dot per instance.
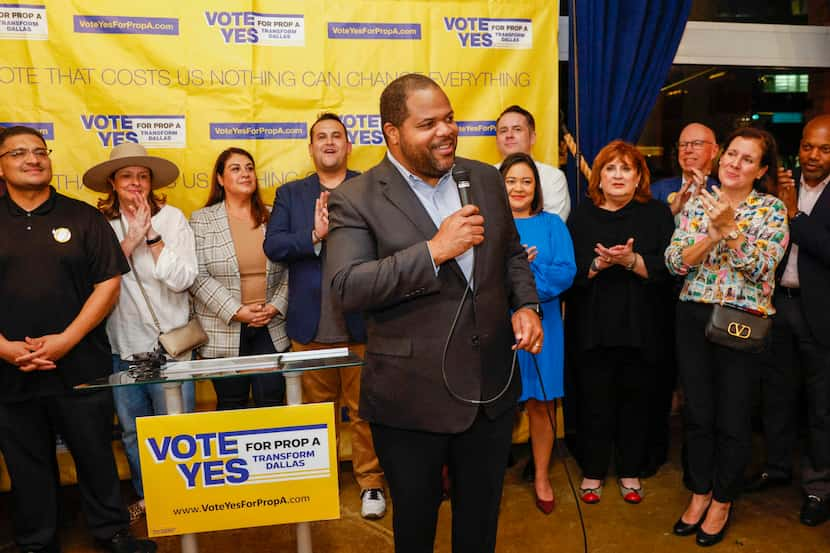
(739, 330)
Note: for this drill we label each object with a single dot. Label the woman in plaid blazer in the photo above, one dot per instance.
(239, 295)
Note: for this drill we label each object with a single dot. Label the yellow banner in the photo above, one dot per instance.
(237, 469)
(189, 79)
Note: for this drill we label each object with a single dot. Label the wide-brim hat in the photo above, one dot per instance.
(130, 154)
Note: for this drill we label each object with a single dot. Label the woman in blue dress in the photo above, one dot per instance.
(551, 256)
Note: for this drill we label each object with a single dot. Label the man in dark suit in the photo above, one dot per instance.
(437, 283)
(297, 233)
(801, 332)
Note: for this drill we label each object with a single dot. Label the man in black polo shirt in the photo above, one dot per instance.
(60, 273)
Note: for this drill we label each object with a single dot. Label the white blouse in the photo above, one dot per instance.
(130, 327)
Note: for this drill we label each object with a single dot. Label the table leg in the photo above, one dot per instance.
(294, 396)
(294, 388)
(174, 402)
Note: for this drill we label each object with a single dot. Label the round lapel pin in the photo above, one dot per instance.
(61, 235)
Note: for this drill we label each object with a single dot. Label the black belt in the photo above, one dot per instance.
(788, 292)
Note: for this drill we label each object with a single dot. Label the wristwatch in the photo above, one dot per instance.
(535, 307)
(733, 235)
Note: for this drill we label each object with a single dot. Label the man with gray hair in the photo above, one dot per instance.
(697, 149)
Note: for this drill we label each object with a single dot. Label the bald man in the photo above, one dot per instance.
(801, 332)
(697, 148)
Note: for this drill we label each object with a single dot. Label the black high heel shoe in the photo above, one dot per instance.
(704, 539)
(686, 529)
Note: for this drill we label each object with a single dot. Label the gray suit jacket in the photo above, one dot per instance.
(217, 292)
(378, 262)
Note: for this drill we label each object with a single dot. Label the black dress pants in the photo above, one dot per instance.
(614, 386)
(268, 390)
(797, 359)
(718, 383)
(662, 389)
(477, 459)
(27, 440)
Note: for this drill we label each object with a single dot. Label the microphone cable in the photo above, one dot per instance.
(452, 392)
(461, 176)
(551, 418)
(552, 421)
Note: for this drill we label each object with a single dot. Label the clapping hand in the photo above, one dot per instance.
(621, 254)
(720, 213)
(690, 189)
(786, 190)
(321, 215)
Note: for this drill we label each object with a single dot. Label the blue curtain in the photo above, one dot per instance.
(623, 50)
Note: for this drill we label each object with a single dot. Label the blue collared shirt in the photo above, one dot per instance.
(439, 201)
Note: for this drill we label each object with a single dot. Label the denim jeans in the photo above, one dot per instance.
(141, 401)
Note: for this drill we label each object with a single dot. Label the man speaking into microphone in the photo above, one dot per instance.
(437, 283)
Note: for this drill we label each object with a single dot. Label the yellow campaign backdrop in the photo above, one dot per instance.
(189, 79)
(238, 469)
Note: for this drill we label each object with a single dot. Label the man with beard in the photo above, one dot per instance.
(437, 282)
(801, 332)
(297, 233)
(60, 274)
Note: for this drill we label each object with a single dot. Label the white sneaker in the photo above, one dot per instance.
(373, 503)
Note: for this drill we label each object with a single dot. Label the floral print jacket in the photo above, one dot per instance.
(742, 277)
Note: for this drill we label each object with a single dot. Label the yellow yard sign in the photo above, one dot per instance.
(236, 469)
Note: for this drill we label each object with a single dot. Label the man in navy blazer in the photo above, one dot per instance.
(801, 332)
(296, 235)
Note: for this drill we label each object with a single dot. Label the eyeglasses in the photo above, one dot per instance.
(695, 144)
(20, 153)
(806, 147)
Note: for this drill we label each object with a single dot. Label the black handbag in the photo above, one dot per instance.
(738, 329)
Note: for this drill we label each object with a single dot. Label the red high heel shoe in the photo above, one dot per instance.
(544, 505)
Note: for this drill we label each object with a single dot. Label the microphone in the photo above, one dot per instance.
(462, 179)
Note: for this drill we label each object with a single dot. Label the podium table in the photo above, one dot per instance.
(174, 374)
